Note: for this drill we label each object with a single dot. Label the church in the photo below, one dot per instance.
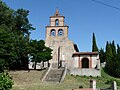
(65, 53)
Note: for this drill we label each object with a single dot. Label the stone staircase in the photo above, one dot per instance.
(55, 74)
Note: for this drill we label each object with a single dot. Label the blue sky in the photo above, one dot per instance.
(82, 16)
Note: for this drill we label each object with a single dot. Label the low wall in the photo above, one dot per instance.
(38, 65)
(86, 72)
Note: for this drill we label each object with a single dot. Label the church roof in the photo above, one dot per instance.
(85, 53)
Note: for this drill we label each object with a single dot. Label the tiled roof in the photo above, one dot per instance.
(85, 53)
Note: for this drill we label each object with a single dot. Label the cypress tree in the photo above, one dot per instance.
(113, 49)
(118, 62)
(94, 45)
(108, 57)
(114, 58)
(118, 52)
(102, 55)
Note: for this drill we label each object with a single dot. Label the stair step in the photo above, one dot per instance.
(55, 75)
(54, 65)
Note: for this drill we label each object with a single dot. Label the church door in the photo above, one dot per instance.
(85, 63)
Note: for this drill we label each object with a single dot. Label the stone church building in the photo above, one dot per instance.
(65, 53)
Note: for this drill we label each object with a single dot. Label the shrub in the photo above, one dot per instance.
(5, 81)
(80, 86)
(77, 75)
(90, 75)
(109, 81)
(118, 82)
(84, 75)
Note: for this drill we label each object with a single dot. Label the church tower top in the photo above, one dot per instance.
(57, 13)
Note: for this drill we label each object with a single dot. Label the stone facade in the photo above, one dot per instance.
(57, 39)
(65, 52)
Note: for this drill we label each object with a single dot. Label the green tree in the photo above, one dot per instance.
(7, 49)
(6, 15)
(22, 32)
(102, 55)
(47, 55)
(118, 62)
(23, 26)
(39, 51)
(108, 57)
(94, 45)
(7, 52)
(5, 81)
(14, 41)
(118, 52)
(113, 49)
(15, 31)
(112, 59)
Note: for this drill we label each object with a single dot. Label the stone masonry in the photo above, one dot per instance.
(57, 39)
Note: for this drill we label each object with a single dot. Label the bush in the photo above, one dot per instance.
(5, 81)
(118, 82)
(77, 75)
(109, 81)
(80, 86)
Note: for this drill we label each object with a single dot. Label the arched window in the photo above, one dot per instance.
(52, 33)
(85, 63)
(56, 22)
(60, 32)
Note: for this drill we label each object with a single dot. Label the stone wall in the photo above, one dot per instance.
(86, 72)
(38, 65)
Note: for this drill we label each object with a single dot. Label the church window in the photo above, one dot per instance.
(52, 33)
(60, 32)
(85, 63)
(56, 22)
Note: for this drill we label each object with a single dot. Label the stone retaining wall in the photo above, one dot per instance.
(86, 72)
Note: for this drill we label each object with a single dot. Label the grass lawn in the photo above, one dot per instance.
(24, 80)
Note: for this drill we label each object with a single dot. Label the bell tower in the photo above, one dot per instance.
(57, 38)
(57, 30)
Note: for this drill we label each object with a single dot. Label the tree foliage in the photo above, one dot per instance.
(102, 55)
(108, 56)
(39, 51)
(14, 37)
(112, 58)
(15, 44)
(94, 45)
(5, 81)
(7, 51)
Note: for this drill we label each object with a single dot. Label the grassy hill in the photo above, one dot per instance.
(24, 80)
